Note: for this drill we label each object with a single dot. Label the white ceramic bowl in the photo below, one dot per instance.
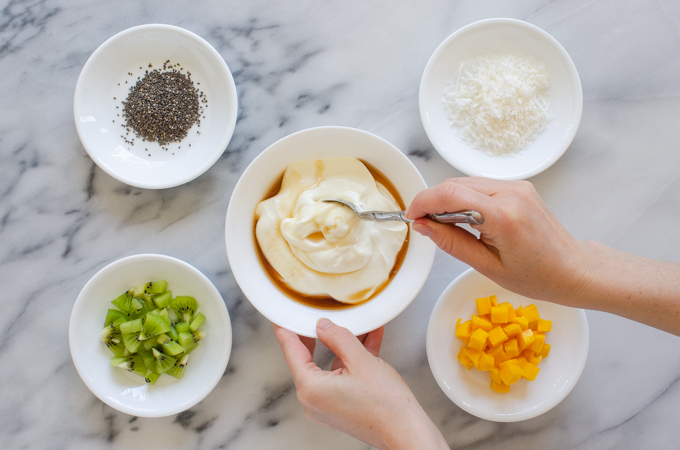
(471, 390)
(125, 391)
(99, 125)
(565, 97)
(254, 184)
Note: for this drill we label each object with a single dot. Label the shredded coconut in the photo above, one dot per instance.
(498, 103)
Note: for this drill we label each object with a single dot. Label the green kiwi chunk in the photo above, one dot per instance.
(197, 322)
(151, 377)
(131, 341)
(134, 364)
(174, 335)
(172, 348)
(163, 361)
(185, 307)
(151, 288)
(153, 326)
(183, 327)
(163, 300)
(176, 371)
(149, 360)
(124, 301)
(115, 317)
(131, 326)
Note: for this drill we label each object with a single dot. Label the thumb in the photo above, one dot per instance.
(340, 341)
(457, 242)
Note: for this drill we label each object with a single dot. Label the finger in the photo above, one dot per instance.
(374, 340)
(447, 197)
(458, 243)
(337, 362)
(310, 343)
(297, 355)
(340, 341)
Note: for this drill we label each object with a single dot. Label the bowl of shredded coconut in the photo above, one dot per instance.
(500, 98)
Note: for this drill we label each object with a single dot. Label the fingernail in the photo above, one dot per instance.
(422, 229)
(324, 324)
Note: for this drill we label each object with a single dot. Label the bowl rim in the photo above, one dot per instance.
(228, 127)
(210, 383)
(429, 343)
(575, 80)
(232, 215)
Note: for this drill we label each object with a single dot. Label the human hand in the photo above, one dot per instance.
(522, 246)
(361, 395)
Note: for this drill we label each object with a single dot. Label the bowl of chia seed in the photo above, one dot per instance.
(155, 106)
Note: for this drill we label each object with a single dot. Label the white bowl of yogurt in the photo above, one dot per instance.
(256, 184)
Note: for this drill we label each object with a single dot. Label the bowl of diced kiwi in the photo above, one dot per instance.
(150, 335)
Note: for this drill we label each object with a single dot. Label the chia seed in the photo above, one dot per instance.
(162, 106)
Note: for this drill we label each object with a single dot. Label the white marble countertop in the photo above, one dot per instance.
(299, 64)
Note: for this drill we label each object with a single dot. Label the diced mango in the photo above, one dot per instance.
(524, 339)
(478, 339)
(531, 356)
(522, 322)
(498, 354)
(473, 354)
(501, 388)
(537, 345)
(511, 372)
(479, 322)
(499, 314)
(494, 300)
(495, 374)
(465, 359)
(530, 313)
(529, 371)
(497, 336)
(511, 348)
(511, 311)
(463, 330)
(485, 363)
(543, 326)
(545, 350)
(483, 305)
(512, 330)
(518, 311)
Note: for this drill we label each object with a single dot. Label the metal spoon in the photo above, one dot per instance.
(471, 217)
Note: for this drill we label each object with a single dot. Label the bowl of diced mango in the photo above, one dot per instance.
(501, 356)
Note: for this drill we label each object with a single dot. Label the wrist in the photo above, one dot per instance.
(413, 430)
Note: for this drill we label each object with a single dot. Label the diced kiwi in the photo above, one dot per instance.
(163, 300)
(197, 322)
(182, 327)
(190, 340)
(148, 344)
(113, 339)
(172, 348)
(117, 360)
(149, 360)
(131, 341)
(139, 308)
(131, 326)
(164, 314)
(183, 361)
(151, 377)
(174, 335)
(176, 371)
(163, 361)
(134, 364)
(124, 302)
(115, 317)
(162, 338)
(185, 307)
(153, 326)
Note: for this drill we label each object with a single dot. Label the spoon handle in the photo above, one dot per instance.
(471, 217)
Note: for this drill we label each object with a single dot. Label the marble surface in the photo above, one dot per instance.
(299, 64)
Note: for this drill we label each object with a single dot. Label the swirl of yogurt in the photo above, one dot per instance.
(322, 249)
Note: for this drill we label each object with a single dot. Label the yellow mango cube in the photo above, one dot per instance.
(522, 322)
(511, 347)
(473, 354)
(543, 326)
(501, 388)
(511, 311)
(480, 322)
(465, 359)
(497, 336)
(524, 339)
(510, 372)
(463, 330)
(529, 371)
(512, 330)
(537, 345)
(498, 354)
(478, 339)
(495, 374)
(530, 313)
(485, 363)
(545, 350)
(483, 305)
(494, 300)
(518, 311)
(499, 314)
